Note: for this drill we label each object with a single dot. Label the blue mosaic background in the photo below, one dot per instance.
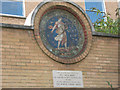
(73, 30)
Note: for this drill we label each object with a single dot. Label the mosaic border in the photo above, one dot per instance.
(79, 14)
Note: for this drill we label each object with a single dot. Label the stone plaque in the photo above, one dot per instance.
(67, 78)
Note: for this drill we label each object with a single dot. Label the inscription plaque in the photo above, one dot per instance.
(67, 78)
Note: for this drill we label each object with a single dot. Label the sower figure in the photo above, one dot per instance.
(60, 30)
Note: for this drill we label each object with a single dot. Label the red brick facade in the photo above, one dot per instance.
(25, 65)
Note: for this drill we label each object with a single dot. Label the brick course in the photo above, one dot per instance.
(25, 65)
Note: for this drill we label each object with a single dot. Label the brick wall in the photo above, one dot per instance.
(111, 6)
(25, 65)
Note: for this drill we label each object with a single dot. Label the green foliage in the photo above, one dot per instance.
(105, 23)
(109, 84)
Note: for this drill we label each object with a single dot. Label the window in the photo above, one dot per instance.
(99, 4)
(12, 7)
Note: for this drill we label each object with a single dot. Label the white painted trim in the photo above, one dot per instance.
(1, 14)
(104, 6)
(119, 3)
(13, 0)
(28, 19)
(119, 6)
(105, 9)
(9, 15)
(24, 8)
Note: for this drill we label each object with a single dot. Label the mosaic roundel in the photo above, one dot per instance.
(63, 35)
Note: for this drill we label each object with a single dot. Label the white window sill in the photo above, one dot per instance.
(12, 16)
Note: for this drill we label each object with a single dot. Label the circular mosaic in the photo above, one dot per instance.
(62, 34)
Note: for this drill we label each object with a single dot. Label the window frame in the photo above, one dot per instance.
(104, 9)
(119, 6)
(10, 15)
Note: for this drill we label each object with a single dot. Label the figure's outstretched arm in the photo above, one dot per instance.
(54, 27)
